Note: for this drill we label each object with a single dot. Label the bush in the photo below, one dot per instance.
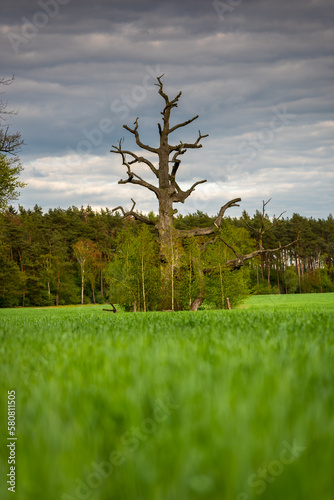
(290, 279)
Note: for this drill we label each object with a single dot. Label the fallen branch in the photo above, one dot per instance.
(113, 310)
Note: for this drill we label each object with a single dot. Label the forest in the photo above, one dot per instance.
(78, 255)
(162, 261)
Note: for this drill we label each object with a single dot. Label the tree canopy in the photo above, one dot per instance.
(38, 265)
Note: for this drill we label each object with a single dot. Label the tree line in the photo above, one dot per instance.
(78, 255)
(155, 262)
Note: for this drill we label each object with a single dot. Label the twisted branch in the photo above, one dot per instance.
(189, 145)
(181, 196)
(134, 178)
(135, 132)
(204, 231)
(241, 259)
(136, 215)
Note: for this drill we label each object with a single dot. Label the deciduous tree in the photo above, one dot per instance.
(88, 257)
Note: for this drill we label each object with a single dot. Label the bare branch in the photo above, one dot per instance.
(3, 105)
(181, 196)
(136, 215)
(161, 86)
(176, 164)
(169, 104)
(182, 124)
(134, 131)
(277, 220)
(230, 247)
(137, 159)
(133, 178)
(196, 231)
(139, 182)
(10, 143)
(241, 259)
(204, 231)
(265, 203)
(250, 227)
(189, 145)
(206, 243)
(6, 81)
(229, 204)
(262, 230)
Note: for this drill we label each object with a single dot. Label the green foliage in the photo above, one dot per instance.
(190, 274)
(262, 289)
(227, 284)
(134, 272)
(39, 266)
(197, 219)
(11, 282)
(222, 283)
(290, 279)
(89, 260)
(195, 403)
(317, 281)
(10, 169)
(40, 247)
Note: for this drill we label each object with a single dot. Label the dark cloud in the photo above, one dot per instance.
(86, 68)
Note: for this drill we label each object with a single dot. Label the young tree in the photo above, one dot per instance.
(88, 257)
(10, 144)
(168, 191)
(134, 273)
(222, 285)
(10, 169)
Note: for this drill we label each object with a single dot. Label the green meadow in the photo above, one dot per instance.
(226, 405)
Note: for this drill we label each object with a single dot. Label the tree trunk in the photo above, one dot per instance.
(82, 285)
(190, 278)
(101, 279)
(298, 271)
(168, 249)
(143, 281)
(196, 303)
(221, 286)
(57, 291)
(201, 293)
(165, 225)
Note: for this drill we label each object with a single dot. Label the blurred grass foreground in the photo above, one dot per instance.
(231, 405)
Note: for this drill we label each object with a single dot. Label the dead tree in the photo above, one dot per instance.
(264, 228)
(167, 190)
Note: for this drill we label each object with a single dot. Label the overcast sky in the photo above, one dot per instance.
(259, 73)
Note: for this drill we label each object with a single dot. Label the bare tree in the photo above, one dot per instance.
(167, 189)
(9, 142)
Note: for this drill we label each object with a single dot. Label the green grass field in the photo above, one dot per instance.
(226, 405)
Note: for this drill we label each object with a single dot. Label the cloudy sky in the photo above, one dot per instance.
(259, 73)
